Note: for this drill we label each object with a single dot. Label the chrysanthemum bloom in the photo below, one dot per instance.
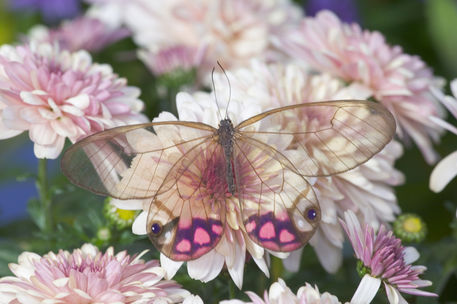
(383, 259)
(83, 33)
(399, 81)
(230, 250)
(279, 293)
(446, 169)
(232, 32)
(88, 276)
(367, 189)
(56, 94)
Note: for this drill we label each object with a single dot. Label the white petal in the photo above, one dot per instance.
(128, 204)
(81, 101)
(236, 270)
(329, 255)
(410, 255)
(292, 262)
(444, 172)
(170, 266)
(207, 267)
(42, 134)
(193, 299)
(393, 295)
(31, 98)
(49, 151)
(366, 291)
(139, 225)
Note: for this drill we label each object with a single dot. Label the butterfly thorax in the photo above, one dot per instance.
(225, 134)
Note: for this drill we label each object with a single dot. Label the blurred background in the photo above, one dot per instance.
(425, 28)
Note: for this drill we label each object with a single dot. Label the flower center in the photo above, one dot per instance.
(412, 225)
(125, 214)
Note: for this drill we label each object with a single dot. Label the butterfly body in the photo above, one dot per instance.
(225, 134)
(200, 180)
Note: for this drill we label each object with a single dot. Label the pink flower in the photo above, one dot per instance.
(399, 81)
(83, 33)
(367, 190)
(279, 293)
(446, 169)
(172, 59)
(232, 32)
(56, 94)
(88, 276)
(384, 259)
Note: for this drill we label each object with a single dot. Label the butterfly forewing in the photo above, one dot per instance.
(326, 137)
(279, 209)
(188, 220)
(131, 162)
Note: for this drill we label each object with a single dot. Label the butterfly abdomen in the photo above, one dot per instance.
(225, 134)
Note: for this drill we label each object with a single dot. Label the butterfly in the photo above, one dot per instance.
(195, 175)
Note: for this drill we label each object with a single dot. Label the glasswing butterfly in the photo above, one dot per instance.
(190, 171)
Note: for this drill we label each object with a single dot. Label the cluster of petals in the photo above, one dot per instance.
(385, 260)
(232, 32)
(88, 276)
(82, 33)
(234, 245)
(57, 94)
(367, 189)
(400, 81)
(446, 169)
(279, 293)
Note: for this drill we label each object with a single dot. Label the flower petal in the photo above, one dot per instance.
(366, 291)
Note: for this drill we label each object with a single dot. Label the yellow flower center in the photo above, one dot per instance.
(412, 224)
(125, 214)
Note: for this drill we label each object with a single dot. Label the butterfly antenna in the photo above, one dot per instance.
(230, 88)
(215, 96)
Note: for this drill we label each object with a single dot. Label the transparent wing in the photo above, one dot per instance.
(132, 162)
(188, 220)
(279, 209)
(324, 137)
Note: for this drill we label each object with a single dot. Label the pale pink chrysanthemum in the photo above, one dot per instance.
(446, 169)
(171, 59)
(367, 189)
(235, 243)
(399, 81)
(56, 94)
(88, 276)
(232, 32)
(384, 260)
(279, 293)
(83, 33)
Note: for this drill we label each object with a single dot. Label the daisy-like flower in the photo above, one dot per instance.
(119, 217)
(88, 276)
(399, 81)
(83, 33)
(232, 32)
(446, 169)
(383, 259)
(56, 94)
(367, 189)
(279, 293)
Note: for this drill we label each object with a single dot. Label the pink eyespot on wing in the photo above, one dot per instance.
(201, 237)
(267, 231)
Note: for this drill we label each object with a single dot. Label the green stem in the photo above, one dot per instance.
(277, 268)
(232, 289)
(45, 197)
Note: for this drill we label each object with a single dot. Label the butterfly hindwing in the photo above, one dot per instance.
(188, 220)
(279, 209)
